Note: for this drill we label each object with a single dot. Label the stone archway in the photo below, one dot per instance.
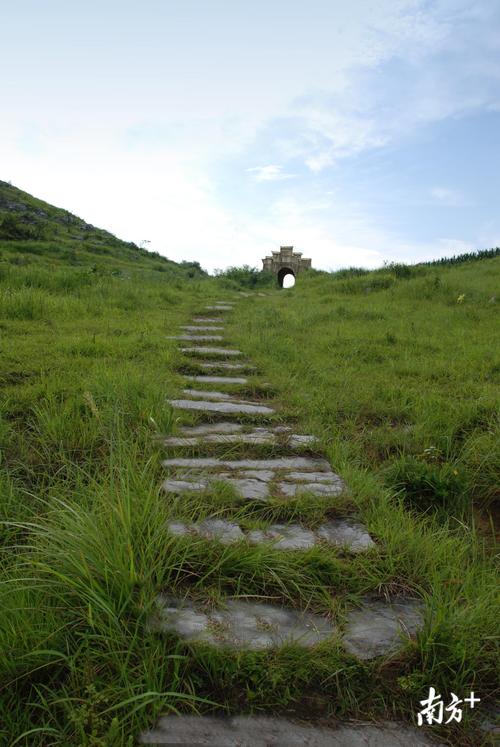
(282, 273)
(285, 262)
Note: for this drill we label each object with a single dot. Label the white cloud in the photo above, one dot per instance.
(271, 173)
(448, 197)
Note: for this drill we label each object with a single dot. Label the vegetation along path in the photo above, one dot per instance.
(246, 449)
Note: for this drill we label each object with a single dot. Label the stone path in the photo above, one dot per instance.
(372, 627)
(261, 731)
(345, 533)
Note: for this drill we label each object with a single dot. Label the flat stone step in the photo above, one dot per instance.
(377, 627)
(273, 731)
(253, 479)
(207, 350)
(206, 320)
(218, 379)
(219, 307)
(345, 533)
(259, 437)
(204, 428)
(249, 488)
(241, 624)
(229, 433)
(214, 395)
(202, 328)
(202, 338)
(312, 464)
(209, 394)
(227, 366)
(292, 490)
(222, 408)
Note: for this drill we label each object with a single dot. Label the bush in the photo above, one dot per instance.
(14, 228)
(246, 276)
(427, 486)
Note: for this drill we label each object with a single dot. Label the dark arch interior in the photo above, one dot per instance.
(282, 273)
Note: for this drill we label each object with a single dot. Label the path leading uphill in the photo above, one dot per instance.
(196, 462)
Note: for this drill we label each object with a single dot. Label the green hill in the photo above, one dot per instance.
(33, 231)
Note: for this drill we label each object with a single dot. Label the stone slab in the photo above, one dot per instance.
(202, 328)
(223, 531)
(378, 627)
(249, 488)
(273, 731)
(212, 434)
(342, 532)
(206, 350)
(218, 379)
(204, 428)
(242, 624)
(184, 486)
(266, 475)
(227, 366)
(219, 307)
(292, 489)
(301, 440)
(284, 537)
(275, 463)
(206, 320)
(321, 477)
(244, 438)
(195, 338)
(223, 408)
(346, 533)
(207, 394)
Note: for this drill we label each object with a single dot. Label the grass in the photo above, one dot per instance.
(397, 378)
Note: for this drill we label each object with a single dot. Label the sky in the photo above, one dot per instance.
(359, 132)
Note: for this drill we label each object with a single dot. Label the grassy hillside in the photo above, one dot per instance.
(396, 372)
(400, 368)
(32, 232)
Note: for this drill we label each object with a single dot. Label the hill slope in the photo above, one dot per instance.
(32, 230)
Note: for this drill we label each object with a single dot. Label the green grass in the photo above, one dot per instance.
(397, 379)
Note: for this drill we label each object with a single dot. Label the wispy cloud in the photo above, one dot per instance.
(270, 173)
(448, 197)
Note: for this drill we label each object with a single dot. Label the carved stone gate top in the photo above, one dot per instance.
(284, 262)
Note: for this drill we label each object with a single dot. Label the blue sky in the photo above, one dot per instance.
(359, 132)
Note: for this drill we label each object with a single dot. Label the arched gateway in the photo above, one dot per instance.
(285, 262)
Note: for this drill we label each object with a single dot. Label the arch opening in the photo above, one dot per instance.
(286, 278)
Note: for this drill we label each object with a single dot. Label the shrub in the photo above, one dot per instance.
(427, 486)
(13, 227)
(246, 276)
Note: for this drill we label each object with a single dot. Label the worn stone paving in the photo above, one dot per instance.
(266, 731)
(235, 407)
(208, 350)
(344, 533)
(201, 328)
(218, 379)
(202, 338)
(236, 433)
(375, 626)
(226, 366)
(253, 479)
